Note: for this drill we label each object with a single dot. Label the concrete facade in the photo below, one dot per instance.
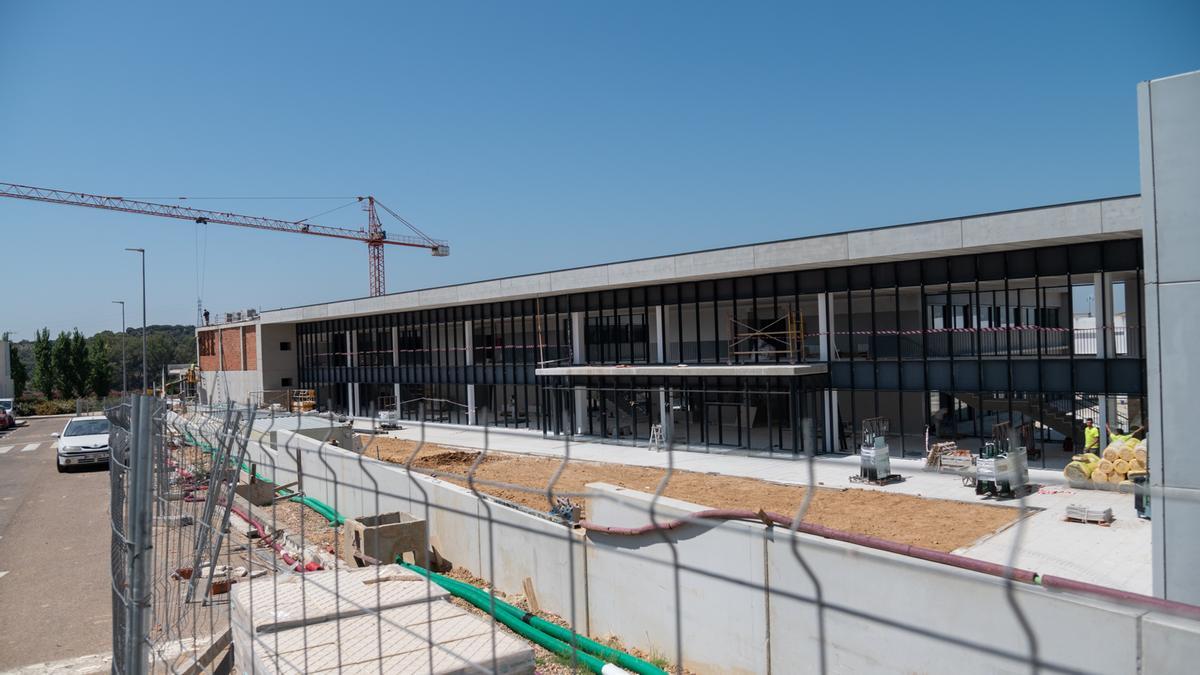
(6, 383)
(1170, 168)
(1116, 218)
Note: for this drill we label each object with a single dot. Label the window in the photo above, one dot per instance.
(285, 381)
(285, 346)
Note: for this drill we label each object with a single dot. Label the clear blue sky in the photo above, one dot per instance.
(536, 136)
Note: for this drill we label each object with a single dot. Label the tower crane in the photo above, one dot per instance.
(374, 235)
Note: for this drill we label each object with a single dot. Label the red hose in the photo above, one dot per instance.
(951, 559)
(277, 545)
(962, 562)
(1150, 602)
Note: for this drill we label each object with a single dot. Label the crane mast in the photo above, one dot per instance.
(373, 235)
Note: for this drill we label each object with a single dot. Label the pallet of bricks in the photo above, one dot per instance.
(1113, 469)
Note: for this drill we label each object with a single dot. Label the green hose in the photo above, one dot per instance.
(482, 600)
(320, 507)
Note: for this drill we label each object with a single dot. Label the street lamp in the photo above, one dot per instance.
(142, 252)
(124, 369)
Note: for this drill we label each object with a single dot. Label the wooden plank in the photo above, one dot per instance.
(531, 596)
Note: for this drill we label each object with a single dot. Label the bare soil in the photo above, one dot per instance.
(937, 524)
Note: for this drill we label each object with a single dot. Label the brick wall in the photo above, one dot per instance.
(208, 349)
(250, 342)
(231, 346)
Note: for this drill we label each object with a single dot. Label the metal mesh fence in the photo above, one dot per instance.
(268, 542)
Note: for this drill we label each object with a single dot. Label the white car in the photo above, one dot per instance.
(83, 441)
(8, 414)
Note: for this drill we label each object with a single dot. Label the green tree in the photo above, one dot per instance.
(20, 376)
(100, 374)
(16, 366)
(65, 375)
(80, 363)
(44, 377)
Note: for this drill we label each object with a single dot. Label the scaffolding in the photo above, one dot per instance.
(781, 335)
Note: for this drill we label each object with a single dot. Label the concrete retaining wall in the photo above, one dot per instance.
(734, 595)
(508, 547)
(879, 612)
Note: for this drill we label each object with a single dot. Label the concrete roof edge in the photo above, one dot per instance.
(265, 315)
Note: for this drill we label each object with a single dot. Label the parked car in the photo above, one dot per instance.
(8, 414)
(84, 440)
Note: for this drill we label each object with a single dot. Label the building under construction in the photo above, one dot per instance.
(1029, 319)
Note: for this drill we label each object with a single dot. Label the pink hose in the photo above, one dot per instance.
(262, 534)
(1150, 602)
(962, 562)
(951, 559)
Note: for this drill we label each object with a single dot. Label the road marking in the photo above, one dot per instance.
(2, 573)
(31, 447)
(6, 449)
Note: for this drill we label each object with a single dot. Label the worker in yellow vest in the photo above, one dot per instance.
(1091, 437)
(1120, 435)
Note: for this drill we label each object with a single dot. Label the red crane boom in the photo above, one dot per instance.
(374, 235)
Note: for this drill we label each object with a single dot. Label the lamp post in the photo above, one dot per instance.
(142, 252)
(124, 368)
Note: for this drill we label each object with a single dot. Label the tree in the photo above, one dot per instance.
(44, 377)
(80, 363)
(62, 356)
(16, 366)
(100, 374)
(20, 376)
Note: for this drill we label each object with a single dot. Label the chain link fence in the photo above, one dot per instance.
(248, 540)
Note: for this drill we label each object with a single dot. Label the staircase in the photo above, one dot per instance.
(1064, 415)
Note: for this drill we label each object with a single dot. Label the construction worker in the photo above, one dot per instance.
(1121, 435)
(1091, 437)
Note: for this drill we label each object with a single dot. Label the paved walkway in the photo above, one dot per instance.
(1116, 556)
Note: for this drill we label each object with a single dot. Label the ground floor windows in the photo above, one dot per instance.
(757, 415)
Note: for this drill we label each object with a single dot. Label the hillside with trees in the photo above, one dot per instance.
(68, 366)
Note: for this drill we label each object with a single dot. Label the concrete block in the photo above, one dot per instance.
(943, 235)
(519, 545)
(1169, 644)
(706, 264)
(1177, 328)
(798, 253)
(642, 271)
(1173, 207)
(717, 592)
(481, 291)
(385, 536)
(1032, 225)
(578, 279)
(889, 613)
(530, 284)
(438, 296)
(1121, 215)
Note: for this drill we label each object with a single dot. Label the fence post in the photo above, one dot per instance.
(141, 486)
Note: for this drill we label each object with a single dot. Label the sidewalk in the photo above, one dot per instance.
(1116, 556)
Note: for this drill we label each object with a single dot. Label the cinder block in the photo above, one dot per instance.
(385, 536)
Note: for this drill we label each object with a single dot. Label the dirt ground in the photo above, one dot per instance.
(938, 524)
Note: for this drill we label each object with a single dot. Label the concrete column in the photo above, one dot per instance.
(666, 415)
(824, 351)
(1101, 318)
(579, 357)
(469, 344)
(351, 387)
(660, 332)
(396, 362)
(824, 327)
(1169, 135)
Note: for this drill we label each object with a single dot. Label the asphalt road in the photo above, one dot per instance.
(55, 600)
